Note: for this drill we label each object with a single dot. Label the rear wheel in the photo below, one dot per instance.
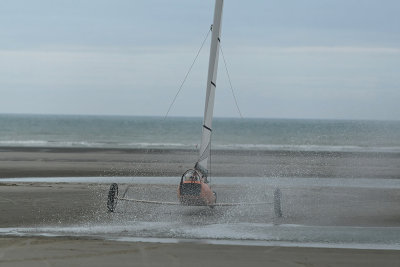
(112, 197)
(215, 195)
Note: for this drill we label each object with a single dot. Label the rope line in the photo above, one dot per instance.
(187, 74)
(230, 83)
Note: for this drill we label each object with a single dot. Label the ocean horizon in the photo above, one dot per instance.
(122, 131)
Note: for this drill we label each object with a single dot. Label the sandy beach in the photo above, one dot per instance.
(83, 252)
(59, 162)
(57, 205)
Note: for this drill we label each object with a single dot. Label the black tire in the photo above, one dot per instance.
(112, 197)
(277, 202)
(215, 195)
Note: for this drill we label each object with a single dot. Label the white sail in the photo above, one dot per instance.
(211, 86)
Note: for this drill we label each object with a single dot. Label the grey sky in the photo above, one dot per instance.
(287, 59)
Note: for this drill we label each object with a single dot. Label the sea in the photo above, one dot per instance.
(92, 131)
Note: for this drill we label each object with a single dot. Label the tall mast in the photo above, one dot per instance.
(211, 86)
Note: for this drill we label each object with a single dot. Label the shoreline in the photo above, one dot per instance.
(240, 151)
(204, 241)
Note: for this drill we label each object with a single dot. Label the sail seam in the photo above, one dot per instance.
(208, 128)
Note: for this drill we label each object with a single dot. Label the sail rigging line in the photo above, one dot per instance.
(187, 74)
(230, 82)
(209, 171)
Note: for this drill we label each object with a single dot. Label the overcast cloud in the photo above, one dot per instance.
(287, 59)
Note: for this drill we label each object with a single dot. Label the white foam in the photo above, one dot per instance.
(307, 148)
(159, 145)
(23, 142)
(41, 143)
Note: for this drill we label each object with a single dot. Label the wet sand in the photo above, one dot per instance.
(57, 205)
(39, 251)
(43, 204)
(59, 162)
